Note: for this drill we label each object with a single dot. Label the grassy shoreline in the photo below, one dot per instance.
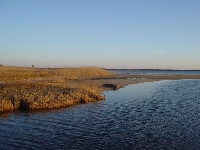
(33, 88)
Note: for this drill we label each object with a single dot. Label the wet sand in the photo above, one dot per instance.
(124, 80)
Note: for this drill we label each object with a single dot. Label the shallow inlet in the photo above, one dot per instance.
(157, 115)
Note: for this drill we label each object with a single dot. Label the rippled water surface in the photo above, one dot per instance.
(157, 115)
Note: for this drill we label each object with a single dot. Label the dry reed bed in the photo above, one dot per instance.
(41, 96)
(16, 92)
(9, 74)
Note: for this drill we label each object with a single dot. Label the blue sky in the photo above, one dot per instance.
(163, 34)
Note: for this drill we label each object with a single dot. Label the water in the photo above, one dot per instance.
(157, 115)
(155, 71)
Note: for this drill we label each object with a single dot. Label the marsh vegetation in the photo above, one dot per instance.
(41, 88)
(45, 88)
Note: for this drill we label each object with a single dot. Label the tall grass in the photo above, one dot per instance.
(81, 72)
(42, 96)
(19, 73)
(16, 92)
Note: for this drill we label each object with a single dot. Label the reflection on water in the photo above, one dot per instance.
(30, 113)
(158, 115)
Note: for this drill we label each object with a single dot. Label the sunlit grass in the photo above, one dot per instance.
(43, 96)
(42, 88)
(19, 73)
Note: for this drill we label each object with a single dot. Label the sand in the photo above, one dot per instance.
(124, 80)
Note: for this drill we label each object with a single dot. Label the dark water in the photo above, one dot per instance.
(155, 71)
(158, 115)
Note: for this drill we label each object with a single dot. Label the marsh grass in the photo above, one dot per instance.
(20, 73)
(36, 88)
(41, 96)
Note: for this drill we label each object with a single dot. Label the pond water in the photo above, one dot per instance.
(156, 115)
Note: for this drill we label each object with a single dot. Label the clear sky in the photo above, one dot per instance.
(163, 34)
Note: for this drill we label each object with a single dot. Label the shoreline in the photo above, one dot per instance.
(125, 80)
(60, 92)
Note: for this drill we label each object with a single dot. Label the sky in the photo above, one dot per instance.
(129, 34)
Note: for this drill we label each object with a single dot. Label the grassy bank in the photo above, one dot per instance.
(44, 88)
(20, 73)
(36, 88)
